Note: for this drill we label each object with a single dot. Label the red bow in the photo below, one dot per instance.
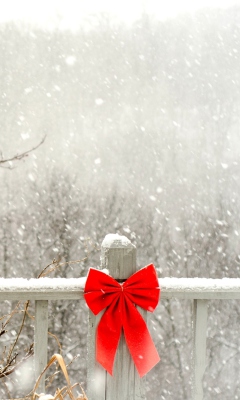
(142, 289)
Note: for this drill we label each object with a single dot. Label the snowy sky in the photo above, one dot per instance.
(68, 13)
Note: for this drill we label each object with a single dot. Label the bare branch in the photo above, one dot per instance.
(18, 157)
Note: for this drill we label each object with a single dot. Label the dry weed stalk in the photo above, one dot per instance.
(65, 391)
(8, 360)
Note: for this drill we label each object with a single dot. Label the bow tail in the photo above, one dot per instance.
(108, 336)
(139, 341)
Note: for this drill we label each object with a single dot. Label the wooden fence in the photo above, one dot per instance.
(119, 257)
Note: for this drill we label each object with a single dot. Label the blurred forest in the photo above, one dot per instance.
(142, 139)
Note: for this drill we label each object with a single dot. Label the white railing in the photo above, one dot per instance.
(118, 255)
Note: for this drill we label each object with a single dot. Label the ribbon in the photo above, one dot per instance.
(120, 300)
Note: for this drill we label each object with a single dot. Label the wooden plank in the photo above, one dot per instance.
(72, 289)
(201, 295)
(42, 289)
(42, 294)
(200, 288)
(119, 257)
(199, 350)
(96, 375)
(40, 340)
(78, 295)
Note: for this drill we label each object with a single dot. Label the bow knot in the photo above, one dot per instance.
(120, 300)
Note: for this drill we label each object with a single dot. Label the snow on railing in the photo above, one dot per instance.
(119, 257)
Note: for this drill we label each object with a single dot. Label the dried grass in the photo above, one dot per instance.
(66, 392)
(8, 359)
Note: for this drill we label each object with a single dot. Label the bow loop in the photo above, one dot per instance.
(100, 290)
(143, 288)
(120, 300)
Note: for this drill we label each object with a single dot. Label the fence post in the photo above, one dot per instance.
(118, 255)
(40, 340)
(199, 350)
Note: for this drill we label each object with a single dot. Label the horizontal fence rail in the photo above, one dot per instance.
(72, 289)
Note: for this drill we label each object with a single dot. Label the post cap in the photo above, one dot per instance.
(113, 240)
